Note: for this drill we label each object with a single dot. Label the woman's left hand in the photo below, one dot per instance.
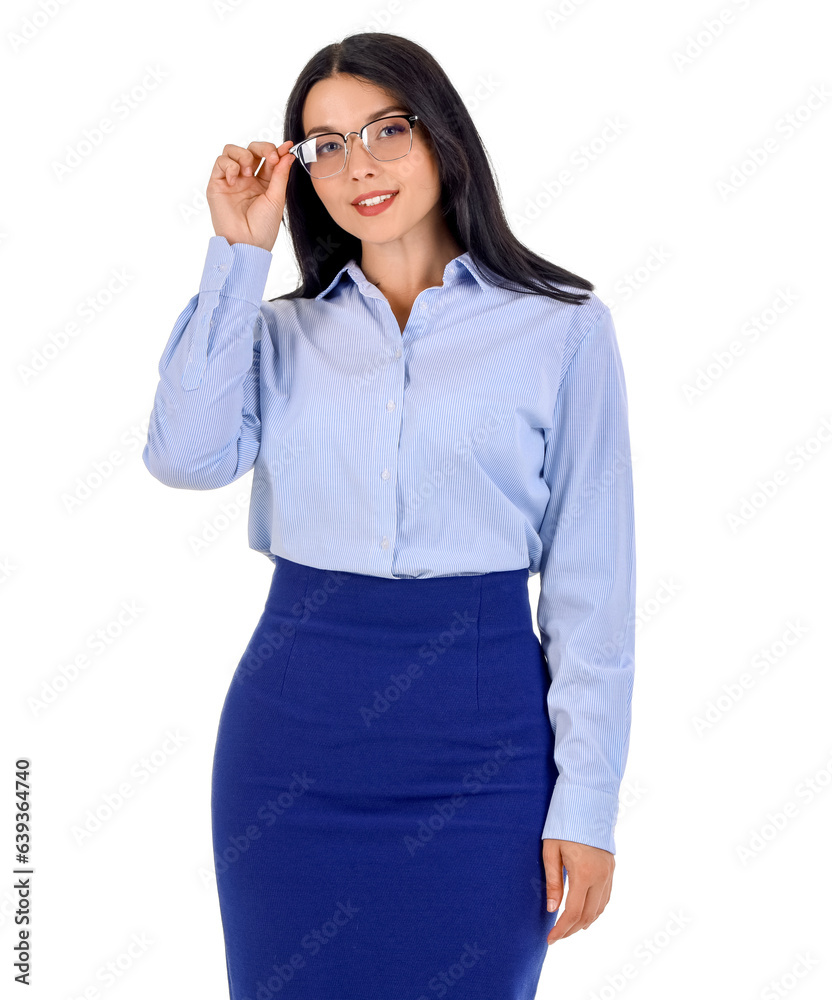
(589, 871)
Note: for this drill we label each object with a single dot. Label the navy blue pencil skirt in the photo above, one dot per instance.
(382, 773)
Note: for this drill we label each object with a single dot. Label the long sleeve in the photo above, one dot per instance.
(204, 429)
(586, 611)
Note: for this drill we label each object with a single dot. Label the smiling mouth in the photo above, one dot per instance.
(377, 200)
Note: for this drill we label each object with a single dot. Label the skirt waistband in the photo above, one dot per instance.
(496, 602)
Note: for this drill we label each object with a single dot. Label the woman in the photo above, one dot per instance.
(403, 773)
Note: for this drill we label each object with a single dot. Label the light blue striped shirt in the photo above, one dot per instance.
(492, 434)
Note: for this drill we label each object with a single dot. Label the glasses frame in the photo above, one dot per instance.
(411, 120)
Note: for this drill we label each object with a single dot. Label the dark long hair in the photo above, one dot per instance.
(469, 196)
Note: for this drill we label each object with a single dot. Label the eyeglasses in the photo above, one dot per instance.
(385, 139)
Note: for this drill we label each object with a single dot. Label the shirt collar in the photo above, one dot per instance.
(454, 270)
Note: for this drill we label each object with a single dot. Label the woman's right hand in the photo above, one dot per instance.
(245, 208)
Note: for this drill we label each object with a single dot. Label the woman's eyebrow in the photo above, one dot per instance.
(376, 114)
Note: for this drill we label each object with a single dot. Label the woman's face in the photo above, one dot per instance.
(345, 104)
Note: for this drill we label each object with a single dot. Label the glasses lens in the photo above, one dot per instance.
(324, 155)
(389, 138)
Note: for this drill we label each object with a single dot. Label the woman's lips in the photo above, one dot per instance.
(376, 209)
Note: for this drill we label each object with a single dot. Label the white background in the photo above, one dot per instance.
(685, 256)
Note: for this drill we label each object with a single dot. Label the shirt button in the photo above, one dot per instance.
(398, 353)
(385, 542)
(423, 307)
(385, 474)
(391, 405)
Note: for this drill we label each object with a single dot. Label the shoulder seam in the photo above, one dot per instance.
(603, 311)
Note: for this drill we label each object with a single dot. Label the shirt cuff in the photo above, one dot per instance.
(240, 271)
(584, 815)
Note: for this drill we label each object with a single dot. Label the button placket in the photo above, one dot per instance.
(416, 324)
(392, 434)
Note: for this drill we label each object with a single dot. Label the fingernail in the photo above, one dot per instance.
(550, 905)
